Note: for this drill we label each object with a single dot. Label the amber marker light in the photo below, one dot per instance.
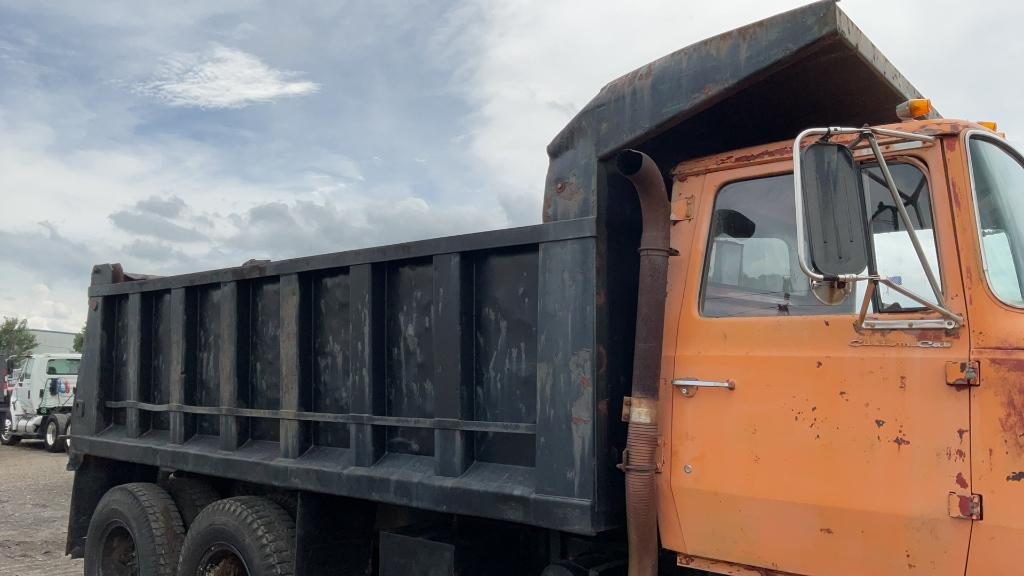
(914, 109)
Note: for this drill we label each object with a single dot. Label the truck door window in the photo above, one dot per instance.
(998, 178)
(63, 367)
(751, 269)
(894, 254)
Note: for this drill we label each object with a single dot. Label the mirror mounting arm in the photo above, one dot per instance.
(952, 320)
(902, 211)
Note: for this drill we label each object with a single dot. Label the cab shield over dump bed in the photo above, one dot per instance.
(479, 374)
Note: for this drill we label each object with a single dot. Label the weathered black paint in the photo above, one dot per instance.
(460, 381)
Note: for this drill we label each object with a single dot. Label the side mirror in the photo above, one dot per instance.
(834, 209)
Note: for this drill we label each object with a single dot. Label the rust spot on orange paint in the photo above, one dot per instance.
(879, 423)
(903, 382)
(950, 144)
(781, 151)
(1015, 477)
(1012, 420)
(819, 364)
(827, 531)
(960, 480)
(964, 504)
(900, 441)
(960, 432)
(961, 455)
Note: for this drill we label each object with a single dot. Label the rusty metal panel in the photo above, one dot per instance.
(566, 368)
(963, 373)
(964, 506)
(831, 440)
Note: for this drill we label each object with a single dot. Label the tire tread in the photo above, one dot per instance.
(162, 517)
(265, 522)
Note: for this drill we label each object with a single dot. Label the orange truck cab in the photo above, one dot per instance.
(802, 437)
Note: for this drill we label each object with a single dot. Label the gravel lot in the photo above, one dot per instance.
(35, 492)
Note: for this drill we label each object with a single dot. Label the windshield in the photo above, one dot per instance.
(62, 367)
(999, 192)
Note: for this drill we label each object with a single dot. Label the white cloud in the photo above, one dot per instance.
(528, 67)
(45, 307)
(222, 77)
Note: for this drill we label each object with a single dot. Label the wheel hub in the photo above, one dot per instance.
(222, 560)
(119, 557)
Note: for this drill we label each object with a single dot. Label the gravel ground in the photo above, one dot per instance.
(35, 493)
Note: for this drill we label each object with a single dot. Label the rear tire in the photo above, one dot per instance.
(135, 531)
(244, 536)
(191, 495)
(7, 437)
(52, 436)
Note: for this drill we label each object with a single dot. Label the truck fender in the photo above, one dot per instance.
(93, 477)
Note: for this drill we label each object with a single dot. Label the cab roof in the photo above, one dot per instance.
(58, 356)
(783, 150)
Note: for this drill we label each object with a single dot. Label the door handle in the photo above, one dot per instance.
(688, 386)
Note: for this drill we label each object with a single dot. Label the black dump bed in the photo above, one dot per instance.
(479, 374)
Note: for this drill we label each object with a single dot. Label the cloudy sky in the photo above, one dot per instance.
(179, 136)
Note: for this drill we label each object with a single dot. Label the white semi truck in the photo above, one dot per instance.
(41, 401)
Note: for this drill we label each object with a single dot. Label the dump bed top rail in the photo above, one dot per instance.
(578, 228)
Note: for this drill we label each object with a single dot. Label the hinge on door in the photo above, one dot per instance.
(964, 506)
(963, 373)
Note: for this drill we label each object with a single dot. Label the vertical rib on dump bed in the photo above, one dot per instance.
(454, 374)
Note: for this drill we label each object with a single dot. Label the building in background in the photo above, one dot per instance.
(50, 341)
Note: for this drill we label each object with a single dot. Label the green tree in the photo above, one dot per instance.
(15, 339)
(79, 340)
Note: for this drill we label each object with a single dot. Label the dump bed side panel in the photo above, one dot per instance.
(453, 374)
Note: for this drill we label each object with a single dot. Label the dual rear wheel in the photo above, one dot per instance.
(139, 530)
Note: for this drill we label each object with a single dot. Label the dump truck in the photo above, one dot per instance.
(771, 324)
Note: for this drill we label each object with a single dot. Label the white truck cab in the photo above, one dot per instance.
(41, 401)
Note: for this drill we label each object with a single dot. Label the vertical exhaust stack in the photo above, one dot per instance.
(638, 460)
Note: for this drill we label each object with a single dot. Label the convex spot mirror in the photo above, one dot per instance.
(834, 210)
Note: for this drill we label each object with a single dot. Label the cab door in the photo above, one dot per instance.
(799, 442)
(23, 391)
